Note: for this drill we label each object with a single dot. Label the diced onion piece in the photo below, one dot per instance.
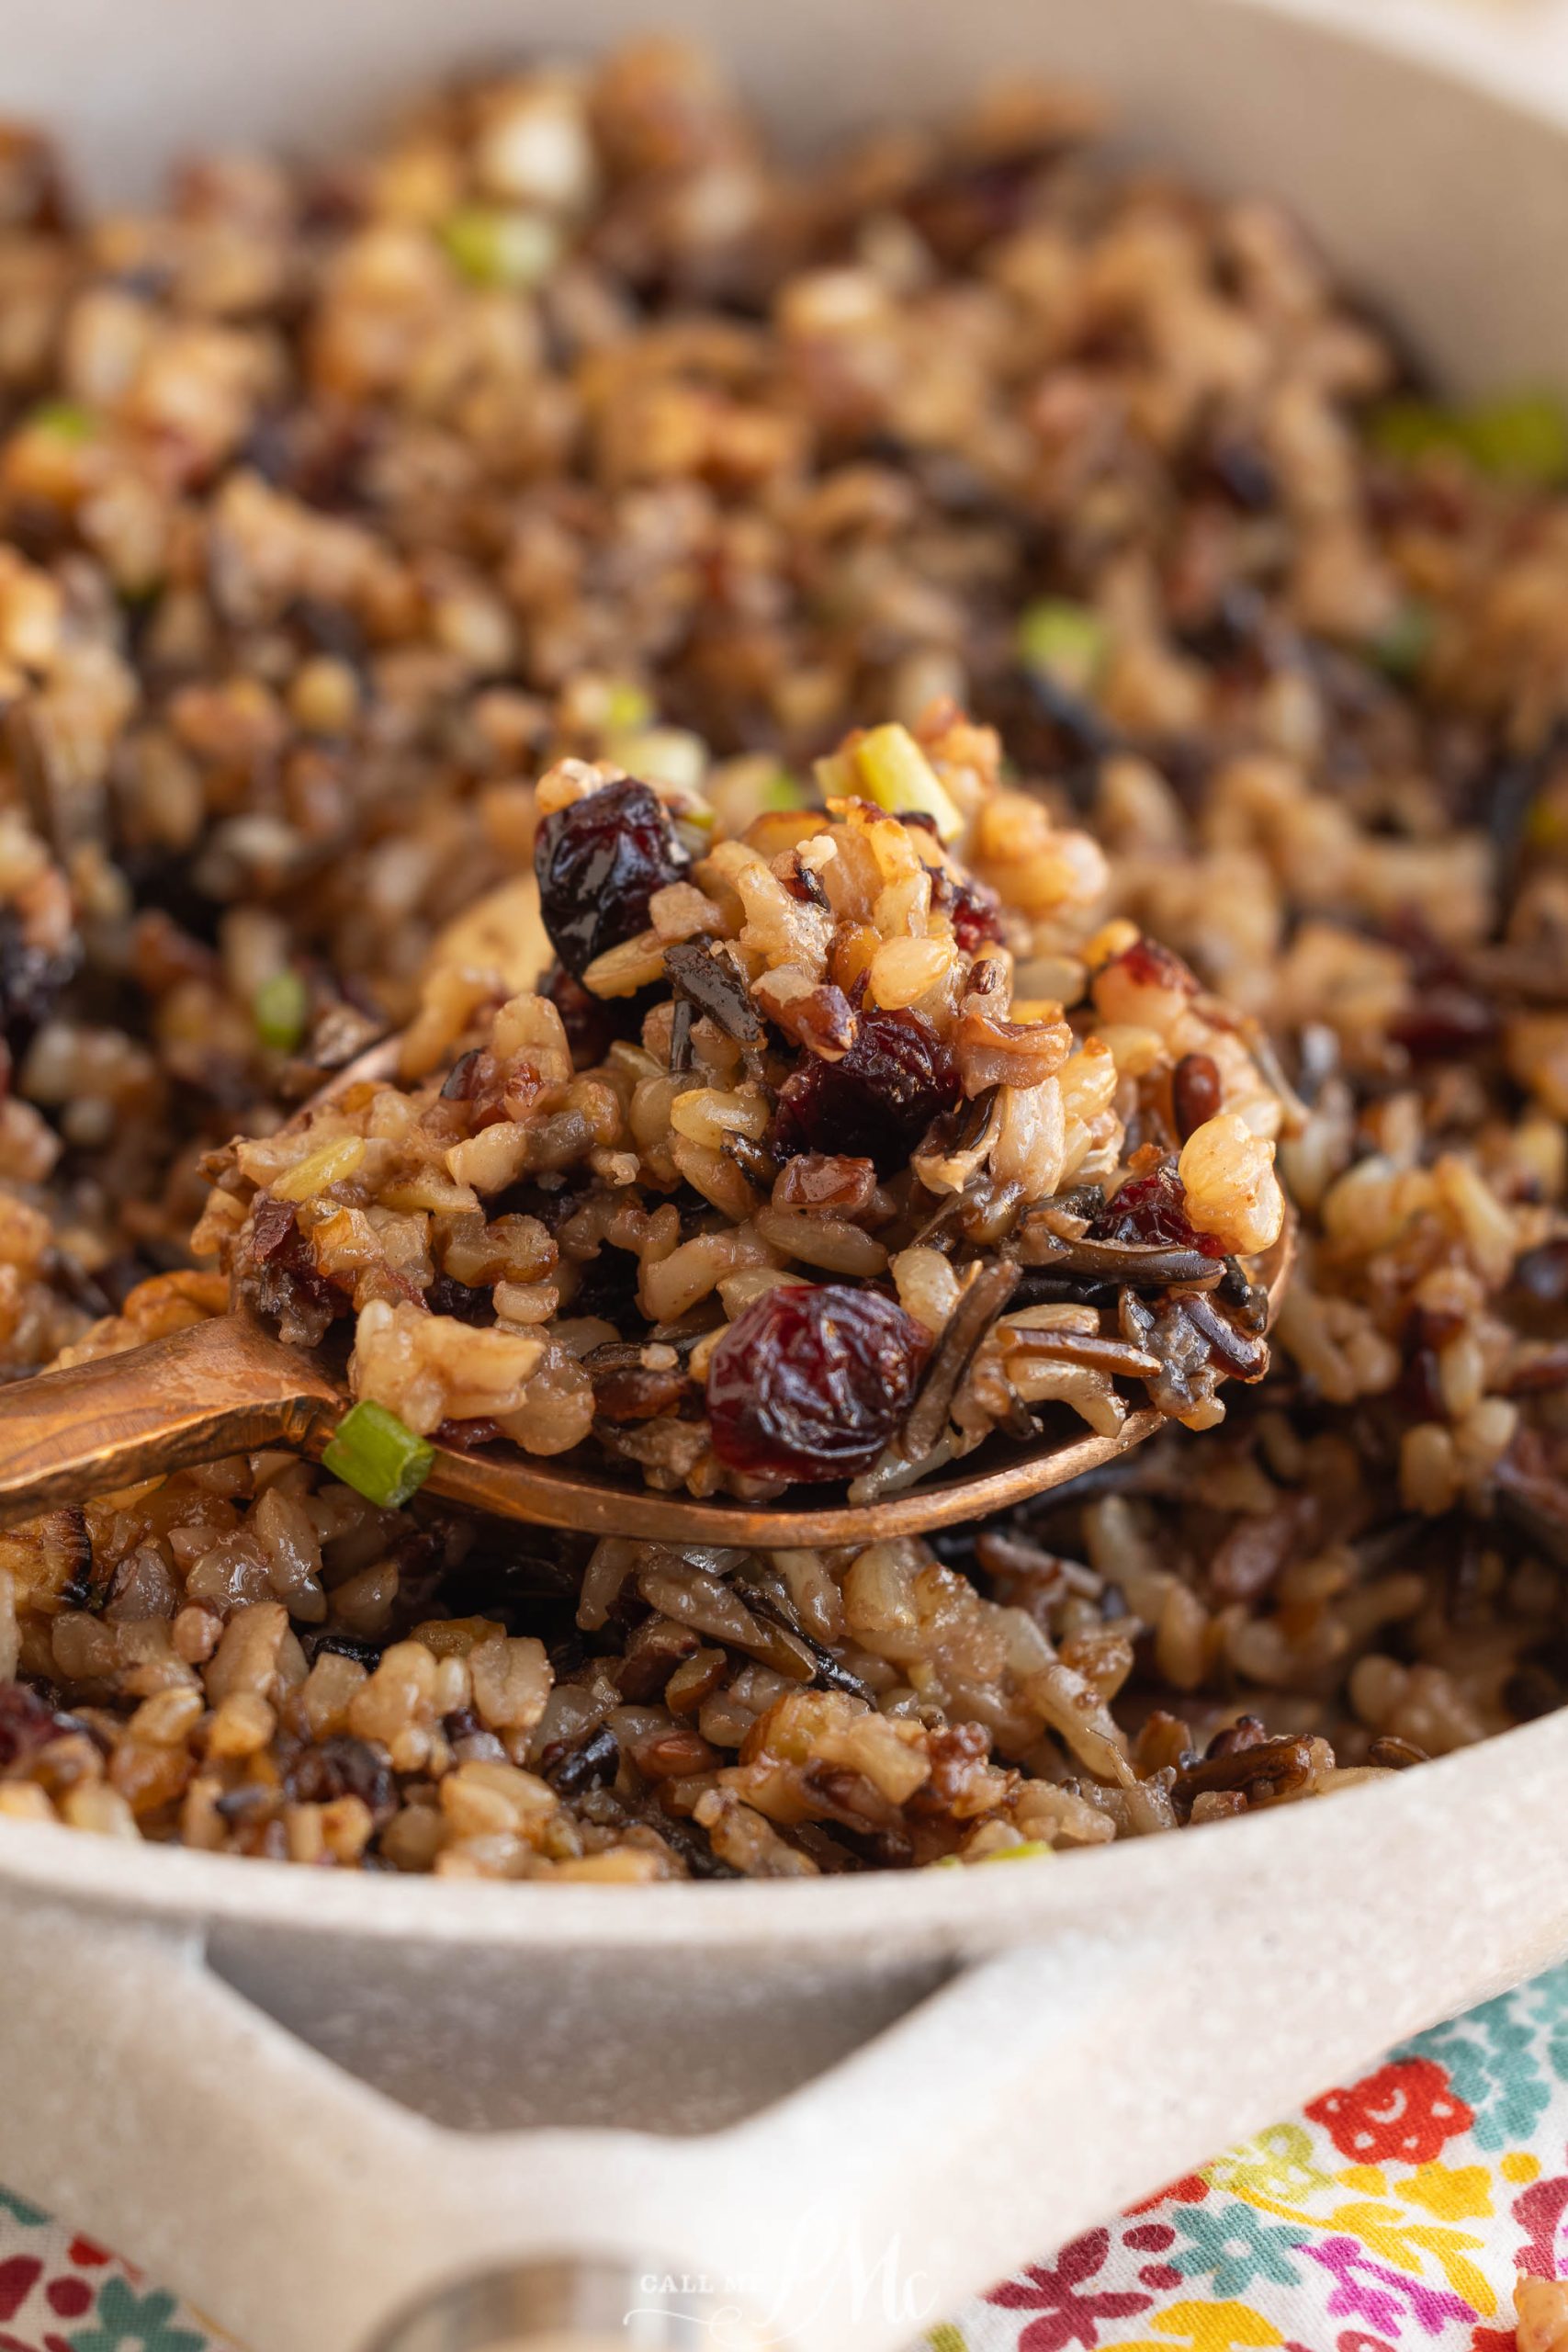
(888, 765)
(1063, 641)
(280, 1008)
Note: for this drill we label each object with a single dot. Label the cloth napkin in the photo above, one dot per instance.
(1392, 2214)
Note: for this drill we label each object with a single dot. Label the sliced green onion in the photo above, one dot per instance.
(783, 791)
(65, 421)
(377, 1455)
(887, 766)
(496, 248)
(1525, 438)
(1521, 436)
(627, 706)
(1067, 642)
(280, 1009)
(1404, 645)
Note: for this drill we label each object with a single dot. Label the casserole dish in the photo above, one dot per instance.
(312, 2102)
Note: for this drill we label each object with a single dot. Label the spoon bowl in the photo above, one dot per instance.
(225, 1386)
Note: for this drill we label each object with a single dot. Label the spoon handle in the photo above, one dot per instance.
(217, 1387)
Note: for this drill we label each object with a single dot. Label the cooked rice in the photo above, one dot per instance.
(469, 1219)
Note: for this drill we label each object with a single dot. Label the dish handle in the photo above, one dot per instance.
(163, 2111)
(1038, 2090)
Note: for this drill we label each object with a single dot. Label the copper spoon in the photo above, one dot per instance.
(227, 1386)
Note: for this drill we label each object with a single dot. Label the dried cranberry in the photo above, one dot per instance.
(284, 1282)
(812, 1381)
(1150, 966)
(591, 1024)
(465, 1300)
(273, 1227)
(1152, 1210)
(974, 912)
(464, 1435)
(875, 1105)
(1443, 1023)
(599, 862)
(27, 1723)
(1195, 1091)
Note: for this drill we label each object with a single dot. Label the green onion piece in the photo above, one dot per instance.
(890, 768)
(65, 421)
(496, 248)
(783, 791)
(1401, 647)
(1067, 642)
(1521, 436)
(377, 1455)
(625, 707)
(1407, 429)
(280, 1009)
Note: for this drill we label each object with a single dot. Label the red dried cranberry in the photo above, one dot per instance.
(975, 915)
(1443, 1023)
(1150, 966)
(875, 1105)
(273, 1228)
(812, 1381)
(468, 1302)
(591, 1024)
(1195, 1091)
(974, 912)
(27, 1723)
(1152, 1210)
(599, 862)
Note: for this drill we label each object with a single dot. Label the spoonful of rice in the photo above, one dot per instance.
(843, 1177)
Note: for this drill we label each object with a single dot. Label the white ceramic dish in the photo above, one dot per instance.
(310, 2101)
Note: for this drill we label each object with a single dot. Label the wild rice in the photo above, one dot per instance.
(339, 506)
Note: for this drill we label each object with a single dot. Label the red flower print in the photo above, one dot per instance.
(1350, 2339)
(1067, 2317)
(1191, 2190)
(89, 2255)
(1538, 2212)
(17, 2278)
(70, 2297)
(1404, 2110)
(1492, 2339)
